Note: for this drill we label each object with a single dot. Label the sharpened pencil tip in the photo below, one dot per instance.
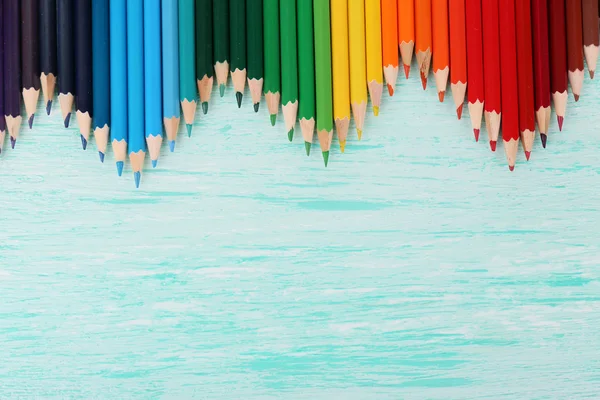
(390, 90)
(136, 177)
(291, 134)
(326, 157)
(441, 96)
(493, 145)
(238, 98)
(406, 70)
(511, 168)
(222, 90)
(342, 145)
(83, 142)
(527, 155)
(30, 121)
(205, 107)
(67, 120)
(120, 165)
(172, 145)
(560, 120)
(13, 142)
(101, 155)
(592, 74)
(544, 138)
(154, 163)
(49, 107)
(376, 111)
(459, 110)
(273, 118)
(256, 106)
(307, 147)
(189, 129)
(476, 133)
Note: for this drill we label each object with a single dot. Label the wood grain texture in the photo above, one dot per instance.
(244, 269)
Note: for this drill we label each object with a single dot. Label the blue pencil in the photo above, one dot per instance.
(118, 81)
(187, 62)
(152, 78)
(170, 62)
(101, 76)
(135, 86)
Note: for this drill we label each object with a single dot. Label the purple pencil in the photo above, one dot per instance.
(2, 120)
(12, 69)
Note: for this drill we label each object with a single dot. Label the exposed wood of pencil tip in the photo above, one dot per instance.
(359, 111)
(171, 128)
(510, 149)
(256, 87)
(273, 102)
(492, 124)
(13, 126)
(137, 160)
(441, 80)
(189, 110)
(406, 52)
(84, 120)
(325, 138)
(543, 119)
(238, 77)
(424, 61)
(459, 90)
(391, 77)
(101, 136)
(154, 142)
(48, 83)
(205, 88)
(341, 126)
(290, 112)
(66, 105)
(30, 99)
(119, 150)
(308, 129)
(222, 71)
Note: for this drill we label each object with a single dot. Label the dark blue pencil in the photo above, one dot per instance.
(30, 50)
(2, 120)
(65, 50)
(101, 74)
(48, 51)
(12, 70)
(83, 68)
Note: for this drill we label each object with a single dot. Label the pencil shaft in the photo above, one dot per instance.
(254, 27)
(204, 39)
(48, 37)
(237, 34)
(2, 82)
(30, 44)
(357, 51)
(12, 59)
(83, 55)
(187, 56)
(152, 68)
(170, 58)
(306, 60)
(289, 58)
(221, 30)
(374, 52)
(340, 59)
(458, 42)
(558, 46)
(118, 72)
(271, 35)
(101, 62)
(389, 30)
(65, 46)
(491, 56)
(135, 76)
(323, 66)
(590, 22)
(510, 97)
(541, 57)
(525, 65)
(474, 51)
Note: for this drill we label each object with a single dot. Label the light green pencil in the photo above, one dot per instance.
(323, 76)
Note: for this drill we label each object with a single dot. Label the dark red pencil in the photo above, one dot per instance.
(575, 46)
(476, 92)
(558, 58)
(525, 74)
(491, 69)
(539, 22)
(590, 34)
(510, 92)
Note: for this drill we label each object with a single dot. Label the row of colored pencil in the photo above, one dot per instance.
(124, 64)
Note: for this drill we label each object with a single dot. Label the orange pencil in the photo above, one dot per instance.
(423, 38)
(441, 57)
(458, 54)
(406, 32)
(389, 33)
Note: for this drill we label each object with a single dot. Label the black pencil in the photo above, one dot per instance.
(48, 51)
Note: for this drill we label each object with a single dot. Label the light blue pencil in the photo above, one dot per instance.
(135, 86)
(118, 81)
(101, 74)
(152, 78)
(170, 62)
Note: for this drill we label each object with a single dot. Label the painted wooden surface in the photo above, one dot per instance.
(415, 266)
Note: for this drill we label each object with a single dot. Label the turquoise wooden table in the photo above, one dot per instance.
(415, 266)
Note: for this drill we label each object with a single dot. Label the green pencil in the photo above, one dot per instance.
(221, 41)
(187, 59)
(306, 71)
(204, 51)
(254, 26)
(237, 25)
(272, 73)
(289, 65)
(323, 76)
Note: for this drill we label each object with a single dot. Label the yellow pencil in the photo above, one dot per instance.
(358, 67)
(341, 69)
(374, 52)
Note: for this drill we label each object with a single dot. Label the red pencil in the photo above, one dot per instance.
(539, 22)
(558, 58)
(525, 74)
(575, 46)
(491, 69)
(476, 93)
(458, 54)
(510, 91)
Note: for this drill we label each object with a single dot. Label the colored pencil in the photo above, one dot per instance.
(170, 69)
(289, 65)
(541, 59)
(358, 63)
(272, 86)
(389, 39)
(575, 46)
(306, 72)
(458, 54)
(254, 26)
(152, 79)
(2, 83)
(476, 92)
(237, 35)
(221, 42)
(187, 63)
(558, 58)
(423, 40)
(440, 37)
(12, 70)
(101, 74)
(341, 69)
(204, 51)
(525, 74)
(30, 47)
(118, 81)
(406, 32)
(135, 84)
(508, 71)
(48, 67)
(323, 76)
(65, 53)
(374, 53)
(590, 34)
(491, 70)
(83, 68)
